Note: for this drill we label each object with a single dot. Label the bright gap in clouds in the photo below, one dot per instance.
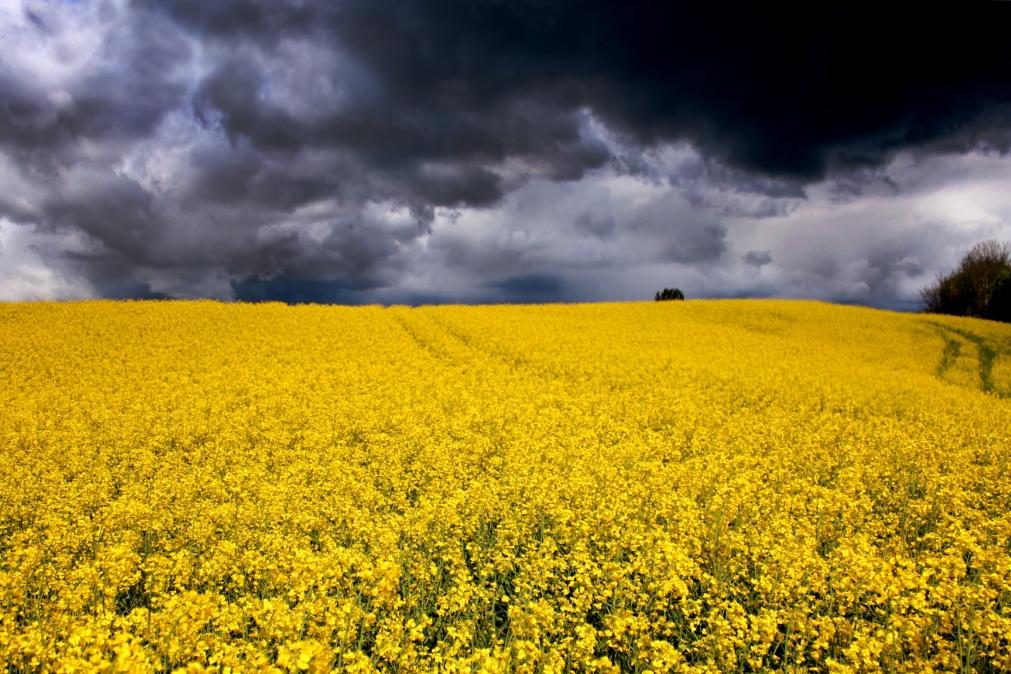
(616, 237)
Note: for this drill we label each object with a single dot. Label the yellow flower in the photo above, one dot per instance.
(713, 486)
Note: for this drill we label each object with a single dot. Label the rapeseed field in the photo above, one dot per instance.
(648, 487)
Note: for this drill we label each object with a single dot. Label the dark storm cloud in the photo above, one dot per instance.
(126, 95)
(112, 209)
(294, 290)
(530, 288)
(301, 149)
(788, 91)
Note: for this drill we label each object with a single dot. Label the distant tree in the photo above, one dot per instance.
(669, 294)
(980, 286)
(999, 307)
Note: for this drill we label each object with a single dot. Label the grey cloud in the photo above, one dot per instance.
(542, 239)
(112, 209)
(529, 287)
(679, 232)
(132, 86)
(456, 186)
(599, 225)
(757, 258)
(242, 178)
(296, 290)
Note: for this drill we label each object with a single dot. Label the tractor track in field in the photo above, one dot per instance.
(507, 358)
(423, 344)
(513, 360)
(411, 324)
(986, 356)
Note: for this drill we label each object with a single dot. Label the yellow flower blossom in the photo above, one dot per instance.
(704, 487)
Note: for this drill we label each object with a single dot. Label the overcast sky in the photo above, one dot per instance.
(497, 150)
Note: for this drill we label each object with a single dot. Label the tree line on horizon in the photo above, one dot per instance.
(980, 286)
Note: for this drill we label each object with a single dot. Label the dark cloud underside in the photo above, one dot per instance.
(772, 89)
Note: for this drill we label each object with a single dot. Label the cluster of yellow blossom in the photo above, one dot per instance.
(645, 487)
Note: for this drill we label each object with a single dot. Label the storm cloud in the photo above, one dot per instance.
(534, 150)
